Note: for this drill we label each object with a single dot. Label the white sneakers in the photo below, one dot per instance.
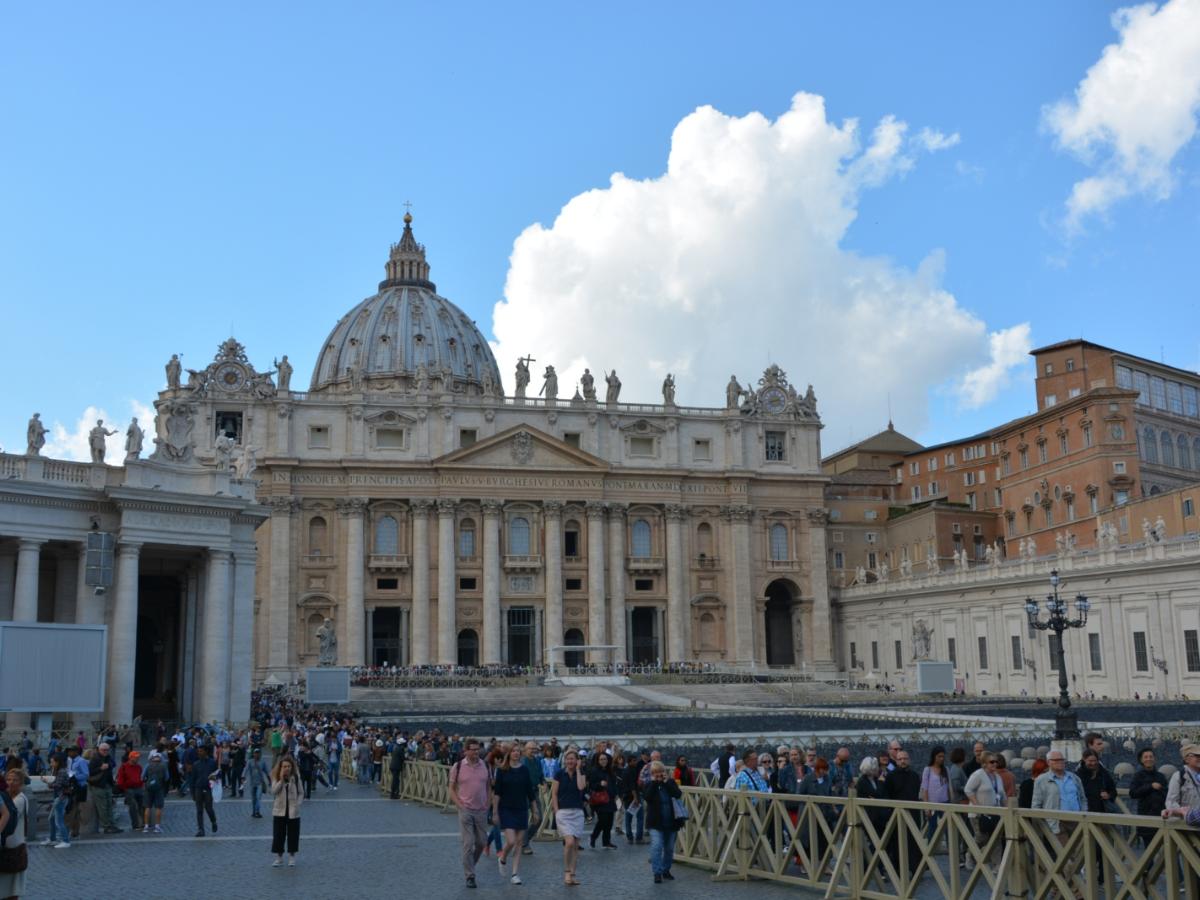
(277, 863)
(516, 879)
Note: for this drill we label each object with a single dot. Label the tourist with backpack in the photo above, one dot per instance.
(156, 780)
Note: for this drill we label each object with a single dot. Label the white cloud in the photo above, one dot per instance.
(1134, 110)
(933, 140)
(1009, 350)
(71, 442)
(732, 259)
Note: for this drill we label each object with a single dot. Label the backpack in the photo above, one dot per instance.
(11, 825)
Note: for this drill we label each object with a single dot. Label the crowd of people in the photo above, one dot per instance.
(385, 675)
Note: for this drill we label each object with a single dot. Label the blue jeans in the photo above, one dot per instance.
(662, 849)
(58, 821)
(334, 771)
(630, 817)
(256, 791)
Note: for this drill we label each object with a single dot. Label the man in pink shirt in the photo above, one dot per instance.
(471, 792)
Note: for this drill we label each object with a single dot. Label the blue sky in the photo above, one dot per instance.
(168, 175)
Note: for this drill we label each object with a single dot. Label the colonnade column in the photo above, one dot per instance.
(677, 578)
(66, 589)
(822, 617)
(420, 580)
(616, 579)
(743, 603)
(491, 582)
(279, 609)
(242, 653)
(354, 508)
(89, 607)
(447, 633)
(552, 522)
(8, 572)
(597, 613)
(122, 636)
(214, 688)
(25, 594)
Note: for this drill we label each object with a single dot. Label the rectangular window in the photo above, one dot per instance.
(571, 439)
(1049, 515)
(916, 492)
(1087, 435)
(1049, 368)
(1006, 465)
(1018, 659)
(466, 584)
(839, 536)
(1070, 510)
(1070, 364)
(971, 502)
(950, 458)
(968, 478)
(1190, 405)
(872, 560)
(870, 515)
(641, 446)
(1051, 399)
(1141, 384)
(702, 450)
(1175, 397)
(574, 584)
(1042, 455)
(643, 584)
(1124, 377)
(1094, 657)
(899, 656)
(853, 655)
(1118, 467)
(839, 559)
(467, 437)
(1053, 652)
(1093, 504)
(914, 468)
(1120, 497)
(1024, 459)
(871, 537)
(983, 660)
(1191, 647)
(932, 467)
(318, 437)
(1158, 392)
(981, 476)
(997, 497)
(874, 654)
(1064, 445)
(1141, 659)
(952, 652)
(391, 438)
(387, 584)
(1074, 392)
(933, 489)
(776, 446)
(1189, 508)
(571, 544)
(1012, 526)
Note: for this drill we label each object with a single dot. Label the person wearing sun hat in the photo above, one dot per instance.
(1183, 790)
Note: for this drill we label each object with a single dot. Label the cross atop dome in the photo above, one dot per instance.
(406, 263)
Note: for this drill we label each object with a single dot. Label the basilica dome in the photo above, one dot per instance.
(406, 336)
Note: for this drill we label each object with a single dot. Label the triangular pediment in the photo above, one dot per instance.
(522, 446)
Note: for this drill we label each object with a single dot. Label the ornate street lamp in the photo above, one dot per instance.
(1066, 722)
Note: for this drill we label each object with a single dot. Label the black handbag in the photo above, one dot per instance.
(14, 859)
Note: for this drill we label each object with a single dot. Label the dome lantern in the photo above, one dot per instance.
(406, 265)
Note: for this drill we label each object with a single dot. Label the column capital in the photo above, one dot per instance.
(552, 508)
(676, 512)
(491, 508)
(420, 506)
(351, 506)
(595, 510)
(129, 548)
(30, 544)
(618, 511)
(283, 506)
(737, 513)
(446, 507)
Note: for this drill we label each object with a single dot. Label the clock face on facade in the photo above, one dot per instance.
(774, 400)
(230, 377)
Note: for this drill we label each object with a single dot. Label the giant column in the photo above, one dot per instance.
(214, 690)
(420, 582)
(677, 575)
(491, 582)
(66, 588)
(743, 603)
(122, 636)
(242, 653)
(279, 614)
(447, 633)
(616, 578)
(25, 595)
(822, 618)
(353, 508)
(597, 613)
(552, 521)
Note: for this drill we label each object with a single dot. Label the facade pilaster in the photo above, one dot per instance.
(447, 632)
(122, 636)
(354, 509)
(279, 609)
(822, 617)
(552, 521)
(491, 582)
(616, 580)
(25, 594)
(420, 582)
(742, 612)
(242, 648)
(214, 688)
(676, 584)
(597, 611)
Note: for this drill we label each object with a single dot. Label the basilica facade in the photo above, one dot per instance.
(435, 519)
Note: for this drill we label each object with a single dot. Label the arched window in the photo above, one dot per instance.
(518, 537)
(466, 538)
(1149, 446)
(641, 539)
(779, 542)
(1185, 457)
(1168, 449)
(468, 647)
(704, 539)
(387, 536)
(317, 536)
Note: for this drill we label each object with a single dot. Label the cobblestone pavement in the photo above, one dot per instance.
(352, 843)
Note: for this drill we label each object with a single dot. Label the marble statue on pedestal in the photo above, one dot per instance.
(328, 644)
(588, 381)
(733, 393)
(922, 640)
(1147, 531)
(35, 435)
(96, 440)
(614, 387)
(522, 376)
(174, 369)
(1160, 529)
(245, 463)
(224, 445)
(668, 390)
(285, 373)
(133, 440)
(549, 385)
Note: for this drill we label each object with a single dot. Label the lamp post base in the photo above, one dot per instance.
(1066, 725)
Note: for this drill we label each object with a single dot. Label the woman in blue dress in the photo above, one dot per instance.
(512, 797)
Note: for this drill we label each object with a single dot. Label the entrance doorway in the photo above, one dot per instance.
(468, 647)
(385, 636)
(573, 638)
(643, 632)
(520, 630)
(781, 649)
(156, 661)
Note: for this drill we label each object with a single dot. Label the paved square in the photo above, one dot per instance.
(352, 843)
